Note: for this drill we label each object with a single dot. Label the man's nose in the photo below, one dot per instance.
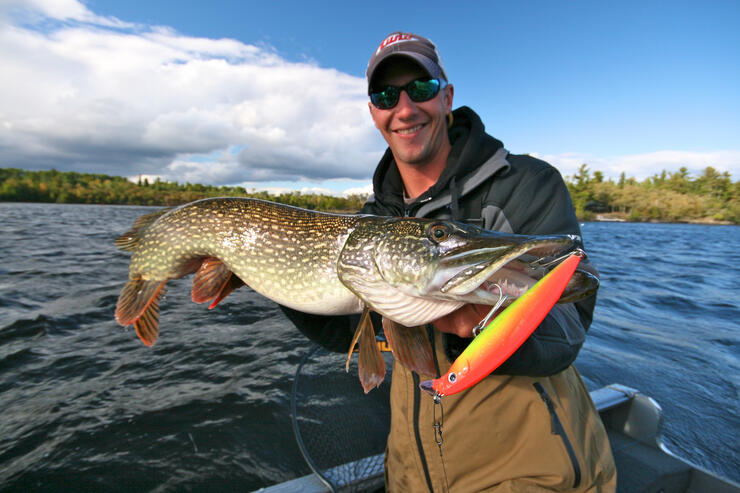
(405, 106)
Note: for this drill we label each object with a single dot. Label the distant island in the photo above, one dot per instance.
(710, 198)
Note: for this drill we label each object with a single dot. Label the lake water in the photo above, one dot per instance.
(85, 406)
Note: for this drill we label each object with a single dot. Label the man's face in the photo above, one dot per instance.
(415, 132)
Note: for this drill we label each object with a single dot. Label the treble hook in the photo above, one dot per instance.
(483, 323)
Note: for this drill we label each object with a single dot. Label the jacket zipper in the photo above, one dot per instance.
(558, 429)
(417, 411)
(417, 434)
(409, 210)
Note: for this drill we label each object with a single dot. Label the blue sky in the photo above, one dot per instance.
(622, 86)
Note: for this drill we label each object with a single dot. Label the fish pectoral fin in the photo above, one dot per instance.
(410, 346)
(356, 336)
(370, 363)
(138, 304)
(213, 281)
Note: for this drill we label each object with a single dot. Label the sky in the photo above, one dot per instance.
(272, 94)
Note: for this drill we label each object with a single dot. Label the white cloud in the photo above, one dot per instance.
(59, 10)
(366, 190)
(98, 94)
(89, 93)
(645, 165)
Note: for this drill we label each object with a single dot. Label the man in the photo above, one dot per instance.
(530, 426)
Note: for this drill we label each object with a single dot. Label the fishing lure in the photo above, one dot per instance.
(505, 333)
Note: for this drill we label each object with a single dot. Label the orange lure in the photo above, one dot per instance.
(505, 333)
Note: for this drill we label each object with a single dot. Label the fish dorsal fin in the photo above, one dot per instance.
(213, 281)
(130, 239)
(370, 363)
(410, 346)
(138, 304)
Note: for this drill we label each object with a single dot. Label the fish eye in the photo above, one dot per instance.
(452, 377)
(439, 232)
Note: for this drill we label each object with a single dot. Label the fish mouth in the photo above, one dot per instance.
(484, 273)
(520, 275)
(473, 266)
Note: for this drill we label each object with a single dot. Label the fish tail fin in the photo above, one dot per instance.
(410, 346)
(370, 363)
(138, 304)
(129, 240)
(213, 281)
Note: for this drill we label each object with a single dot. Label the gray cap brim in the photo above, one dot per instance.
(426, 63)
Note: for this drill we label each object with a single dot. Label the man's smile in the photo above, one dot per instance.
(410, 130)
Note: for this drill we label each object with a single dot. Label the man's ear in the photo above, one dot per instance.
(372, 112)
(449, 95)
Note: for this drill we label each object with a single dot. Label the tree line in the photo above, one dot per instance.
(86, 188)
(667, 197)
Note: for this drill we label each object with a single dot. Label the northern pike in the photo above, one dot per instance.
(410, 270)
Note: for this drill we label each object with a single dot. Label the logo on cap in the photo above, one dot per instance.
(394, 38)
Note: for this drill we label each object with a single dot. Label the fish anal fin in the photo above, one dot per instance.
(138, 304)
(210, 278)
(410, 346)
(129, 240)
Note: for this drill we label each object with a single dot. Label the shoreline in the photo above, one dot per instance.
(621, 218)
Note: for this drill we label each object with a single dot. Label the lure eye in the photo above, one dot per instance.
(439, 232)
(452, 377)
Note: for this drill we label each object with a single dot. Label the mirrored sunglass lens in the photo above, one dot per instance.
(386, 98)
(423, 90)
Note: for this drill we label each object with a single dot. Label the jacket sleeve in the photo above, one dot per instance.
(554, 345)
(540, 204)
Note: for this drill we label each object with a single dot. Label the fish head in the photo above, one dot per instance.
(416, 270)
(456, 261)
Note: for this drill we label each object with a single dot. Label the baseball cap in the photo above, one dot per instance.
(417, 48)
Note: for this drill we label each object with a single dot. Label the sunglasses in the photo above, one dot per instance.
(419, 90)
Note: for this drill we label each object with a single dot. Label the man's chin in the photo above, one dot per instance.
(412, 156)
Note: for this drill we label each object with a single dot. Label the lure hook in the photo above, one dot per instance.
(483, 323)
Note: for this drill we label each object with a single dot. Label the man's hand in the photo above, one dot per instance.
(461, 321)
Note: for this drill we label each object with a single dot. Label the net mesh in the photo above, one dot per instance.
(341, 430)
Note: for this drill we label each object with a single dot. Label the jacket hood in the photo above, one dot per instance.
(471, 147)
